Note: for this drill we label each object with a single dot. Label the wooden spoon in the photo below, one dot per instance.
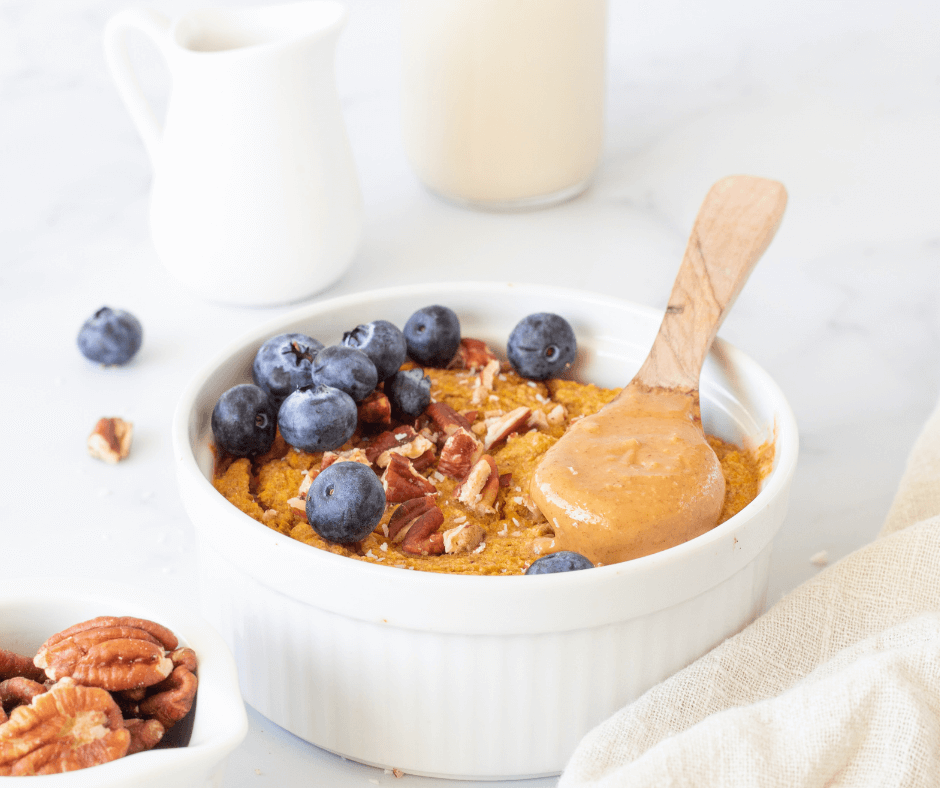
(639, 476)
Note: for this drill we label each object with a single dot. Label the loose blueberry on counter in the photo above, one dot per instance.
(346, 369)
(433, 335)
(244, 421)
(282, 364)
(542, 346)
(563, 561)
(345, 502)
(110, 336)
(381, 341)
(317, 419)
(409, 391)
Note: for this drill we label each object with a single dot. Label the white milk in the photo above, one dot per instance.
(503, 100)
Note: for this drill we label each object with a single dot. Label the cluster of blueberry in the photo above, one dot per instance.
(310, 392)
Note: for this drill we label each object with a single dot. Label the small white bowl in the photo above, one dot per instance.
(476, 677)
(31, 610)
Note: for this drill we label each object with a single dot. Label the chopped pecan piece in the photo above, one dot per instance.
(414, 525)
(331, 457)
(418, 448)
(375, 409)
(402, 482)
(479, 489)
(145, 734)
(484, 387)
(13, 665)
(463, 538)
(298, 507)
(67, 728)
(514, 421)
(171, 699)
(472, 354)
(111, 653)
(557, 415)
(110, 440)
(446, 419)
(459, 453)
(537, 421)
(388, 440)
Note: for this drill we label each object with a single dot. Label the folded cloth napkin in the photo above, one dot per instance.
(838, 684)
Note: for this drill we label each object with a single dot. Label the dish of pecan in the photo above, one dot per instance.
(97, 691)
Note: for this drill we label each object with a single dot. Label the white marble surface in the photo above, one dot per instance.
(839, 100)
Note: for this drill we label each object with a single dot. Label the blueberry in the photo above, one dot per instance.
(542, 346)
(381, 341)
(244, 421)
(563, 561)
(409, 391)
(110, 336)
(282, 364)
(433, 335)
(345, 502)
(346, 369)
(317, 419)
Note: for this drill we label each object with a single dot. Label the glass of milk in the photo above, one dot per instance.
(503, 100)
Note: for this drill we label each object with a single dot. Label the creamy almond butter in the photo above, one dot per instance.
(635, 478)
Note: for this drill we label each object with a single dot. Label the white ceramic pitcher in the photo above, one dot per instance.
(255, 197)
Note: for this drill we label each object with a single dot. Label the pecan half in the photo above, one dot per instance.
(111, 653)
(186, 657)
(461, 450)
(19, 691)
(402, 482)
(479, 489)
(13, 665)
(414, 525)
(171, 699)
(514, 421)
(157, 631)
(67, 728)
(110, 440)
(145, 734)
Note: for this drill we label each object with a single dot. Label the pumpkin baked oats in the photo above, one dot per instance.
(469, 457)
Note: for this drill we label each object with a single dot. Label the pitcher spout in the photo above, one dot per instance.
(225, 30)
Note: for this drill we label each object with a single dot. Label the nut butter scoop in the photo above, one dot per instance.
(642, 459)
(638, 476)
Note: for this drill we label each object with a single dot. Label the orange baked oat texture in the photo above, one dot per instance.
(263, 487)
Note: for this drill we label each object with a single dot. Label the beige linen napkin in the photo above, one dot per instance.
(836, 685)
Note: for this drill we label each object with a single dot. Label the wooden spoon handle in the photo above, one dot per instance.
(735, 224)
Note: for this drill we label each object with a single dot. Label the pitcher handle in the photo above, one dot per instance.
(156, 27)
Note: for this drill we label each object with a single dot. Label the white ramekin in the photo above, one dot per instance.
(31, 610)
(476, 677)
